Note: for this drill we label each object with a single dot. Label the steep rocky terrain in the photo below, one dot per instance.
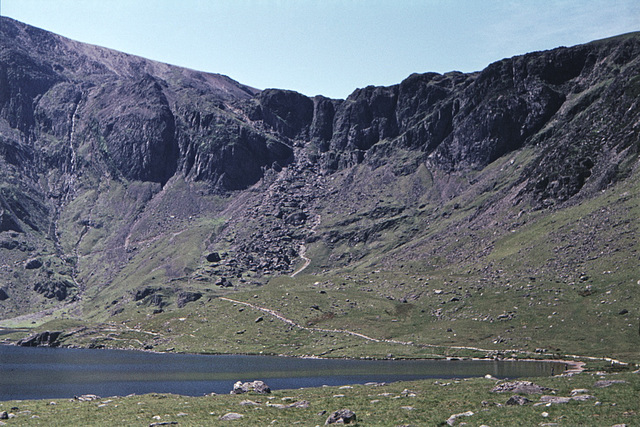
(133, 188)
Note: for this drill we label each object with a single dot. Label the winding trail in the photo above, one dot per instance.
(575, 366)
(299, 326)
(303, 248)
(307, 261)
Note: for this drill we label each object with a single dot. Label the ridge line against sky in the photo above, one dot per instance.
(329, 47)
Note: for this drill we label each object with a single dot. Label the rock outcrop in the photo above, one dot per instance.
(41, 339)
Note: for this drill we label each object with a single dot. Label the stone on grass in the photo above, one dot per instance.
(341, 416)
(517, 400)
(230, 416)
(607, 383)
(255, 386)
(555, 399)
(579, 391)
(451, 421)
(519, 387)
(582, 397)
(250, 402)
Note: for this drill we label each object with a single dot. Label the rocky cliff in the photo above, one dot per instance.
(125, 181)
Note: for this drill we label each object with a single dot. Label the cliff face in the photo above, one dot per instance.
(118, 172)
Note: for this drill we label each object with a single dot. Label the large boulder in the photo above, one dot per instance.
(255, 386)
(517, 400)
(33, 264)
(342, 416)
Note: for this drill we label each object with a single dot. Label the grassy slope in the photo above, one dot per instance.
(535, 280)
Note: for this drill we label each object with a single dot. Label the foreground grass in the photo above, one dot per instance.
(417, 403)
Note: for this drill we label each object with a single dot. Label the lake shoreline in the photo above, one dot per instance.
(572, 367)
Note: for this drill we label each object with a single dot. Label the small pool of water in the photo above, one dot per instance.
(47, 373)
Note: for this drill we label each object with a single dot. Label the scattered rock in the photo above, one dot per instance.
(86, 398)
(4, 415)
(607, 383)
(300, 404)
(520, 387)
(163, 423)
(342, 416)
(451, 421)
(516, 399)
(255, 386)
(224, 283)
(259, 319)
(623, 312)
(230, 416)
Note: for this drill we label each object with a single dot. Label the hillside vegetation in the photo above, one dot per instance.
(491, 214)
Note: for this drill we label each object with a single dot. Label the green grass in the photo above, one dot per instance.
(426, 402)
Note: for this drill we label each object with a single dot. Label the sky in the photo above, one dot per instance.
(329, 47)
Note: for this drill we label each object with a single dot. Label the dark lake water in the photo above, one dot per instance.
(47, 373)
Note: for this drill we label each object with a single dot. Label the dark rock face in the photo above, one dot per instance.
(186, 297)
(46, 339)
(54, 289)
(143, 293)
(3, 295)
(137, 140)
(287, 112)
(8, 222)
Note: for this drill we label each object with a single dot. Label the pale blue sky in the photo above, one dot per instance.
(329, 47)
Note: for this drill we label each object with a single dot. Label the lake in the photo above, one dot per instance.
(48, 373)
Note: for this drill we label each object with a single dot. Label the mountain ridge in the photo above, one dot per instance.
(134, 187)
